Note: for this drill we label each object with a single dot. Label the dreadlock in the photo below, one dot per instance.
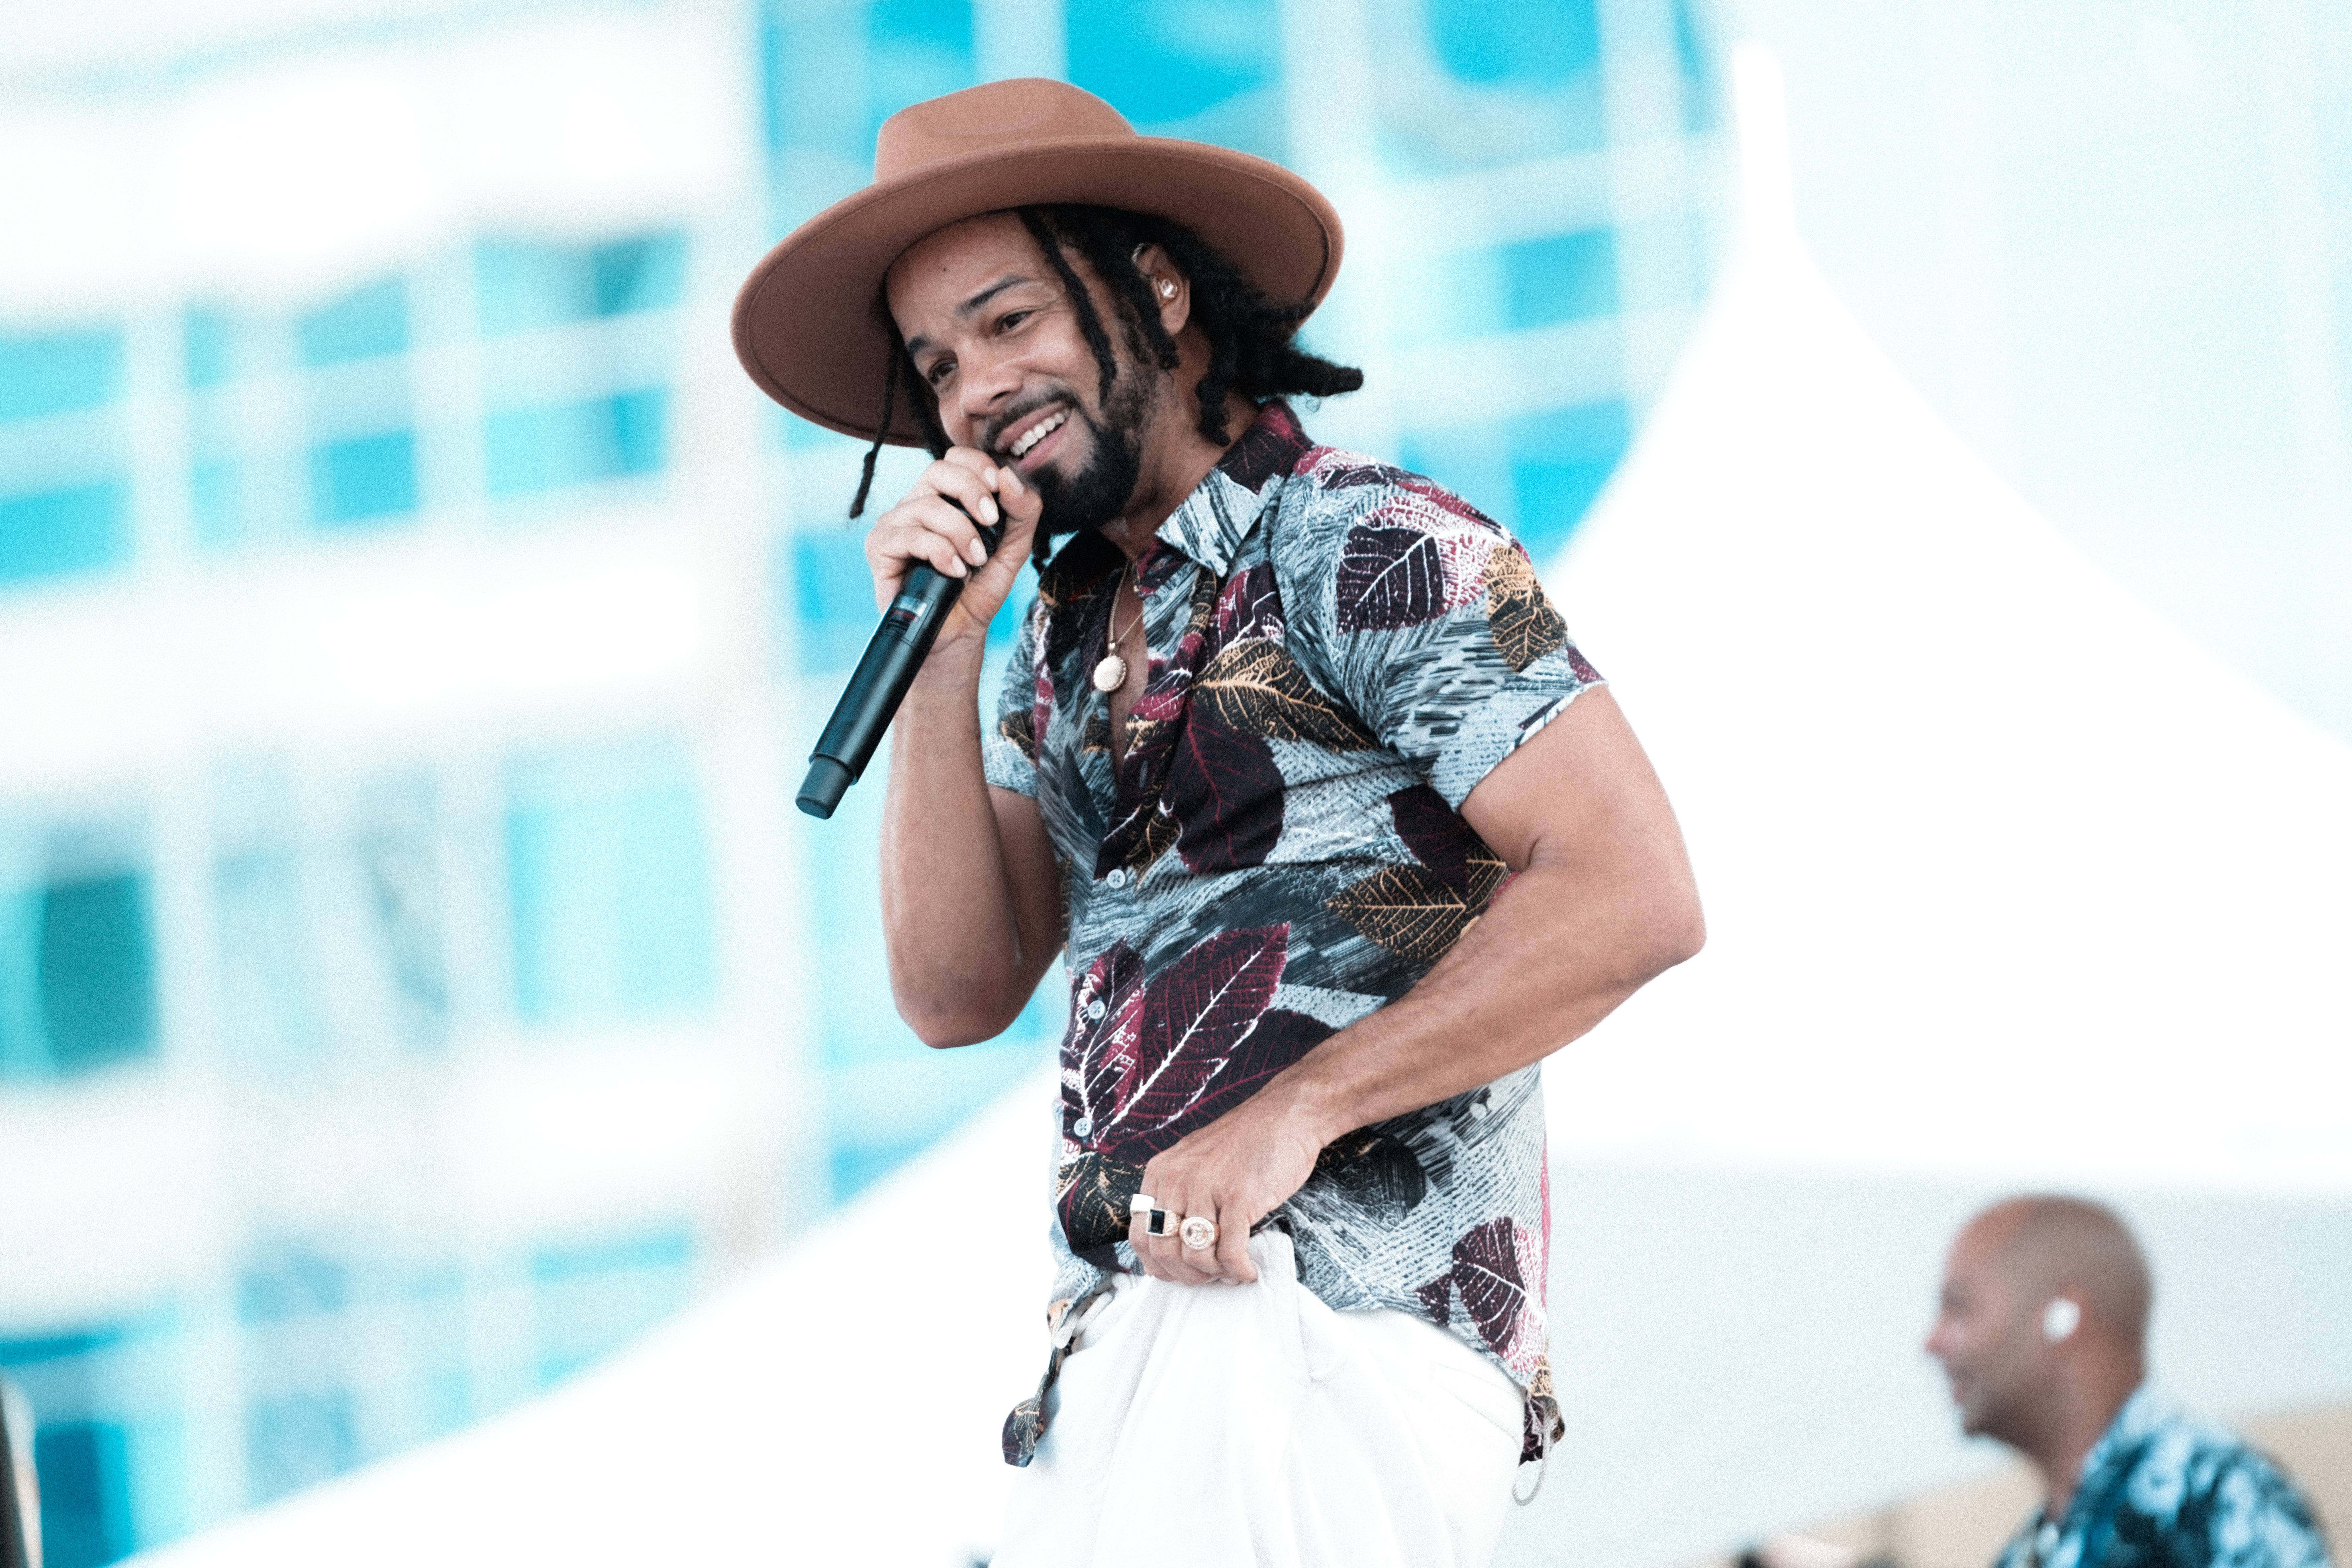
(1089, 323)
(1252, 349)
(1251, 346)
(899, 367)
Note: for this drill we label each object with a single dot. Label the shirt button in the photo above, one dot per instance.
(1082, 1126)
(1094, 1009)
(1117, 879)
(1479, 1110)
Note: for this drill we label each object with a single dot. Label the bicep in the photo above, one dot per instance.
(1032, 880)
(1580, 791)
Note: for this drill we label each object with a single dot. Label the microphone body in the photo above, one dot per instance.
(879, 683)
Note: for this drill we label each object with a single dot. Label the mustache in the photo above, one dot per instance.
(1034, 405)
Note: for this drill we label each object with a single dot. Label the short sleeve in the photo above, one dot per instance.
(1428, 617)
(1008, 742)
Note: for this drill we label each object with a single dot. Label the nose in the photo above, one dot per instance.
(987, 382)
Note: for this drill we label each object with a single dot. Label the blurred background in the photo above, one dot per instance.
(414, 982)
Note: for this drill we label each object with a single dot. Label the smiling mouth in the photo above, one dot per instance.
(1037, 431)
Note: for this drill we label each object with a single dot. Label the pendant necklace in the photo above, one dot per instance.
(1111, 673)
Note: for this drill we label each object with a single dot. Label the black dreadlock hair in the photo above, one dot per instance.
(901, 368)
(1251, 339)
(1252, 349)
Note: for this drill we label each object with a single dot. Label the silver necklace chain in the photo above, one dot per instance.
(1110, 674)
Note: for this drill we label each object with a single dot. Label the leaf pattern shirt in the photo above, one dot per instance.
(2161, 1490)
(1338, 652)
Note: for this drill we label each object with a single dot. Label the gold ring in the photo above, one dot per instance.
(1199, 1232)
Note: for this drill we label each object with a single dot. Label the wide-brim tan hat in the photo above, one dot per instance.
(808, 324)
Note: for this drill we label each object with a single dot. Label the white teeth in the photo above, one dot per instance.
(1038, 432)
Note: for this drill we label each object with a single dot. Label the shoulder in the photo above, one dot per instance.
(2212, 1485)
(1330, 485)
(1380, 548)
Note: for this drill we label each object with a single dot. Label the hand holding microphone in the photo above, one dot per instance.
(945, 535)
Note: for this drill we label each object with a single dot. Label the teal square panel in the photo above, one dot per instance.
(529, 450)
(366, 324)
(1559, 277)
(1160, 60)
(1546, 45)
(609, 876)
(206, 340)
(364, 480)
(59, 373)
(85, 528)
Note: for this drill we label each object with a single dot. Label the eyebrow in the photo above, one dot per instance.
(965, 312)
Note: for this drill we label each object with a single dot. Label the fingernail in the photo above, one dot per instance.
(978, 551)
(1013, 479)
(989, 507)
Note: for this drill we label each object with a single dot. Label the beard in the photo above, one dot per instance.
(1098, 492)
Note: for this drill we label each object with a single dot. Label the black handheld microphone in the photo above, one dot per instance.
(879, 683)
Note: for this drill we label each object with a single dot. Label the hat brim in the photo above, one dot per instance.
(808, 323)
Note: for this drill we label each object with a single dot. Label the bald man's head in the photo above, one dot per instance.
(2054, 1246)
(2045, 1301)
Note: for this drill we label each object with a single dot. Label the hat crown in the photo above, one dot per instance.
(994, 116)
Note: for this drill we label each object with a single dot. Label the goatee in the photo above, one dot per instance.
(1099, 494)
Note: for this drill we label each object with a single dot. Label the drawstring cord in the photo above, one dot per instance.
(1543, 1467)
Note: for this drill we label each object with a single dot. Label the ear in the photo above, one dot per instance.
(1169, 287)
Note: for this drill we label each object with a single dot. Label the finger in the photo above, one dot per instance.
(1149, 1251)
(1232, 1248)
(956, 516)
(1200, 1264)
(1184, 1266)
(968, 476)
(894, 555)
(922, 528)
(1140, 1239)
(1208, 1261)
(1022, 505)
(1166, 1256)
(1019, 508)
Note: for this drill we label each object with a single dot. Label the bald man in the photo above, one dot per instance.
(2042, 1334)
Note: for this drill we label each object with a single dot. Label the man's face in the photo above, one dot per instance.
(995, 336)
(1987, 1335)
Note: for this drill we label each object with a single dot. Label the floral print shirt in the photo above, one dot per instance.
(1338, 652)
(2161, 1490)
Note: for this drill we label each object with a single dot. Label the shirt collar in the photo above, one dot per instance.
(1223, 509)
(1208, 527)
(2141, 1413)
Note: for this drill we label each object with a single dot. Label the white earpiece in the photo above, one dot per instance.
(2061, 1318)
(1167, 289)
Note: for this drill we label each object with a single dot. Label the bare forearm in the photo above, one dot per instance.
(1551, 959)
(947, 913)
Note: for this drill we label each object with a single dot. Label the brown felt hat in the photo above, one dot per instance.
(809, 326)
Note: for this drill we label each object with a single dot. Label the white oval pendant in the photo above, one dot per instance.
(1110, 674)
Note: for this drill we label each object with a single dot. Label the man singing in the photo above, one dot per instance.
(1336, 832)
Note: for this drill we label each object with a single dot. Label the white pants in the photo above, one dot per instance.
(1226, 1424)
